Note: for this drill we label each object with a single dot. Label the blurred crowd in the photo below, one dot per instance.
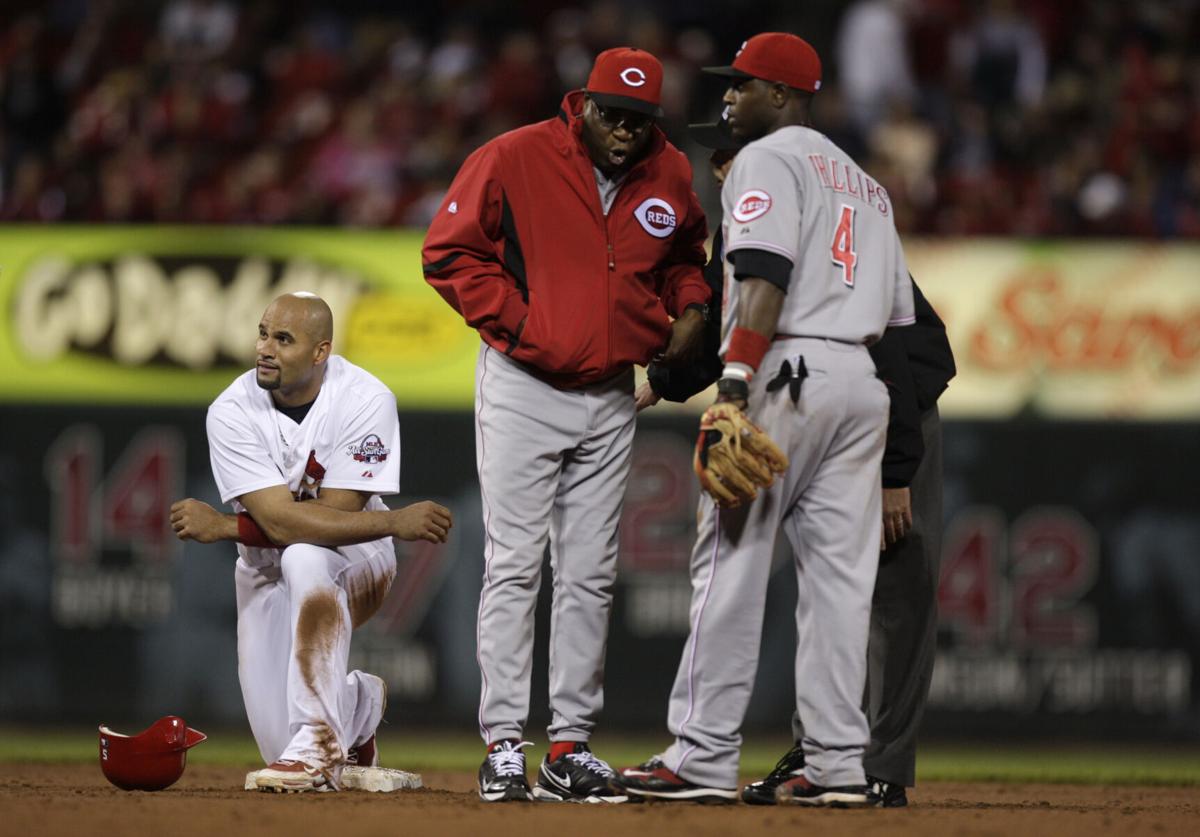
(993, 117)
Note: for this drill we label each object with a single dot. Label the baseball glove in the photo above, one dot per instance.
(734, 458)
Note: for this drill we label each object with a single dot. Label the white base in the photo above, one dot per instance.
(371, 779)
(379, 779)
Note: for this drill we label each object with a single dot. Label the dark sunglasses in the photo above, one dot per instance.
(614, 118)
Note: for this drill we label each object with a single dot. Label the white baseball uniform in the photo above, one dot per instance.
(298, 605)
(796, 195)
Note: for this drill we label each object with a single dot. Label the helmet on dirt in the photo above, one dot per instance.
(152, 759)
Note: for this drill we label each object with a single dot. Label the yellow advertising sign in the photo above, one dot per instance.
(162, 315)
(168, 315)
(1067, 330)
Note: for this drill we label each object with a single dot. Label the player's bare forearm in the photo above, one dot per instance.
(323, 525)
(757, 318)
(345, 499)
(759, 306)
(193, 520)
(425, 520)
(287, 522)
(687, 336)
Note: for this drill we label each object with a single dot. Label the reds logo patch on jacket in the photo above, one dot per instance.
(521, 234)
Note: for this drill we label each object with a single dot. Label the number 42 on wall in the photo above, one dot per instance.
(1019, 585)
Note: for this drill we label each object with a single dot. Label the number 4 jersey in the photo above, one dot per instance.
(350, 438)
(793, 195)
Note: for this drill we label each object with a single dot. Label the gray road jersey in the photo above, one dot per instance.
(795, 193)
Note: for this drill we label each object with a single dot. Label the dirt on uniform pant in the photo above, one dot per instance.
(77, 800)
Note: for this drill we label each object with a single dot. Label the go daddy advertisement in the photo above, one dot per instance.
(168, 315)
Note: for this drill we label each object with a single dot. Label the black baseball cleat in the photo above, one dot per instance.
(762, 792)
(886, 794)
(652, 780)
(502, 774)
(577, 776)
(799, 791)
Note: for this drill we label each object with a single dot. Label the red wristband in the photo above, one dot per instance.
(250, 535)
(748, 347)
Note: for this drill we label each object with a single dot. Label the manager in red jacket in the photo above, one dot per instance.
(575, 247)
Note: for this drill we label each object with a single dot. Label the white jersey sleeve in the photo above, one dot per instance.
(903, 309)
(240, 459)
(367, 454)
(767, 200)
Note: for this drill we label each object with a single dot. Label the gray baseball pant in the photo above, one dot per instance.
(828, 503)
(552, 465)
(903, 643)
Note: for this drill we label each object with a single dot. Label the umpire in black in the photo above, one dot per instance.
(917, 364)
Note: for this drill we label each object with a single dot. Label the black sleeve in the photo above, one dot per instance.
(930, 357)
(682, 382)
(763, 264)
(905, 446)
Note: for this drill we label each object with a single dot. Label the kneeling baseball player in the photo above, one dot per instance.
(302, 446)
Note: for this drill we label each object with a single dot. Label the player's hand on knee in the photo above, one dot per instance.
(424, 521)
(193, 520)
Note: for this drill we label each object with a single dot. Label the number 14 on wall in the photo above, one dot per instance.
(125, 509)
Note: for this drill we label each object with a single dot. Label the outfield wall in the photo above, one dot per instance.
(1070, 590)
(1068, 593)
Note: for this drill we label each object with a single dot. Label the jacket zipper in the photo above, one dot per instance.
(608, 279)
(622, 191)
(610, 252)
(609, 249)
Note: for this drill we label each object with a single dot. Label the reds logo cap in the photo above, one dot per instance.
(776, 56)
(627, 78)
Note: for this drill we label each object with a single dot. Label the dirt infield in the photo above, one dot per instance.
(77, 800)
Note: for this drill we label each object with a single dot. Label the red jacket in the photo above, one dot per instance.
(521, 233)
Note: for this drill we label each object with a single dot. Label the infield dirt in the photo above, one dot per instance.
(208, 801)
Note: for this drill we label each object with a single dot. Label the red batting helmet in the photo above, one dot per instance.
(151, 760)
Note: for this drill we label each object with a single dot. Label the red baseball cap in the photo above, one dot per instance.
(628, 78)
(776, 56)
